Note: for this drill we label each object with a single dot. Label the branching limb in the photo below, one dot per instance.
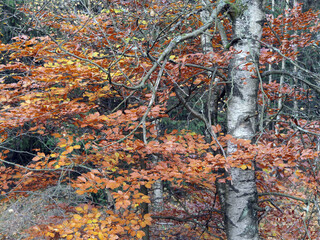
(200, 117)
(144, 117)
(312, 74)
(294, 76)
(306, 201)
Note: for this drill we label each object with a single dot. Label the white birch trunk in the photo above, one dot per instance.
(241, 194)
(157, 187)
(206, 38)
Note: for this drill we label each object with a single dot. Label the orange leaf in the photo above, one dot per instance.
(69, 149)
(36, 158)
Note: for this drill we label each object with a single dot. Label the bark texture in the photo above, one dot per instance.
(241, 192)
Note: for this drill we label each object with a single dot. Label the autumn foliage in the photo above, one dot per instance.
(95, 93)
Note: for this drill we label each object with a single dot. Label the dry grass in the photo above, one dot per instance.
(38, 208)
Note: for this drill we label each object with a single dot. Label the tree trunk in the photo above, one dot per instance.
(214, 90)
(241, 192)
(206, 44)
(144, 206)
(295, 103)
(283, 67)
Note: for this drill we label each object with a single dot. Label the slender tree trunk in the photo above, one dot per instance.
(212, 115)
(215, 89)
(158, 198)
(144, 206)
(283, 67)
(241, 193)
(270, 77)
(206, 44)
(295, 103)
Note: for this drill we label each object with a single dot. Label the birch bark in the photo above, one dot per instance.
(241, 192)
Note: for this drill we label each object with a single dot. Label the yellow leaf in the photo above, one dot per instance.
(76, 146)
(118, 10)
(79, 209)
(69, 237)
(77, 216)
(50, 234)
(140, 234)
(57, 166)
(100, 235)
(104, 118)
(243, 167)
(266, 170)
